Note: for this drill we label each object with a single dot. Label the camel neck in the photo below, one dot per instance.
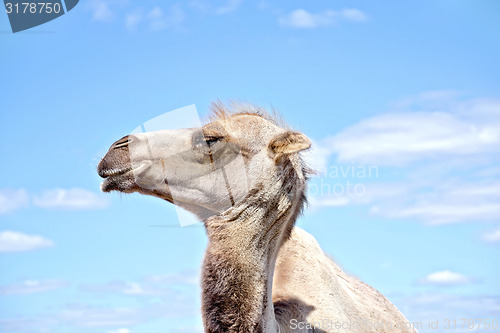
(239, 262)
(239, 266)
(237, 295)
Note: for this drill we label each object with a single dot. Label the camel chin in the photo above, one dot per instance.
(125, 183)
(121, 183)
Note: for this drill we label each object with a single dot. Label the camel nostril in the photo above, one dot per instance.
(123, 142)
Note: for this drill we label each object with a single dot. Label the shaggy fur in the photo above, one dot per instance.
(260, 273)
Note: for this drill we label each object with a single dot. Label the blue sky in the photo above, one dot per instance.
(410, 90)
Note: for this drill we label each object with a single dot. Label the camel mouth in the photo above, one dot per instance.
(120, 180)
(105, 173)
(123, 178)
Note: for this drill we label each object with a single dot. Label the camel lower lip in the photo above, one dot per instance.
(117, 182)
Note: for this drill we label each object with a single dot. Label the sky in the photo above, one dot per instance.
(400, 99)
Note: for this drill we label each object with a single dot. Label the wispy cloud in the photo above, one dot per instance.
(155, 297)
(342, 193)
(209, 7)
(445, 278)
(59, 198)
(31, 287)
(71, 199)
(492, 236)
(427, 307)
(153, 285)
(441, 147)
(100, 10)
(230, 6)
(403, 137)
(426, 198)
(448, 203)
(13, 241)
(302, 19)
(317, 156)
(126, 288)
(24, 324)
(120, 330)
(155, 19)
(133, 19)
(189, 329)
(93, 316)
(11, 200)
(433, 203)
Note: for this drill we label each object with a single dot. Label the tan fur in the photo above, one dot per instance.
(260, 273)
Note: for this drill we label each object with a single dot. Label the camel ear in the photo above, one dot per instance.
(288, 143)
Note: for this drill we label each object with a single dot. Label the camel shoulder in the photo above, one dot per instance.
(308, 284)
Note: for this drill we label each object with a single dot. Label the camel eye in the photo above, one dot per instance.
(203, 141)
(211, 140)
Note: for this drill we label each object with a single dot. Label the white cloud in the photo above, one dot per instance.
(120, 330)
(437, 214)
(11, 200)
(105, 10)
(403, 137)
(445, 278)
(156, 13)
(443, 203)
(200, 5)
(80, 315)
(342, 192)
(75, 198)
(230, 6)
(133, 19)
(154, 298)
(443, 150)
(353, 15)
(31, 287)
(432, 203)
(155, 19)
(76, 317)
(153, 285)
(121, 287)
(72, 199)
(23, 324)
(152, 19)
(493, 236)
(189, 329)
(172, 19)
(187, 277)
(100, 10)
(317, 157)
(328, 201)
(89, 316)
(209, 7)
(429, 306)
(300, 18)
(12, 241)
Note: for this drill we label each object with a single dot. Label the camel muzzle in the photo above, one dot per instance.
(117, 159)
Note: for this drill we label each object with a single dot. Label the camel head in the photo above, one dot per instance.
(203, 170)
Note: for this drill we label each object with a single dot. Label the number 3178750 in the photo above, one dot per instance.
(33, 8)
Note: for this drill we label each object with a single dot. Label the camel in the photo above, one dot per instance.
(243, 176)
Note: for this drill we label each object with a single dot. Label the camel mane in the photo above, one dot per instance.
(221, 111)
